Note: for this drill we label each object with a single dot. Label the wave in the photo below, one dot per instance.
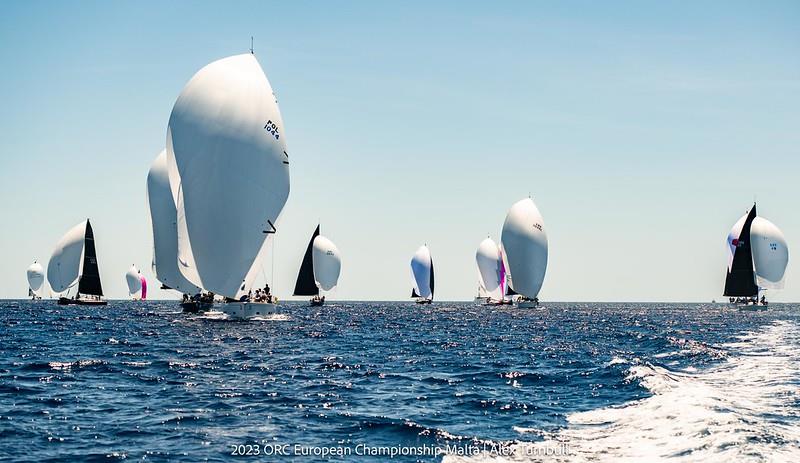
(743, 409)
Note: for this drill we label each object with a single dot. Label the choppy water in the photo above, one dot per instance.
(568, 382)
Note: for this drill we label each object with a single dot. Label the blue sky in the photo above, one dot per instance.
(642, 131)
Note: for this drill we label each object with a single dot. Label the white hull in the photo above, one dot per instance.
(527, 304)
(245, 310)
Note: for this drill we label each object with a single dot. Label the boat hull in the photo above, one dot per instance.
(68, 301)
(423, 301)
(246, 310)
(317, 302)
(527, 304)
(195, 307)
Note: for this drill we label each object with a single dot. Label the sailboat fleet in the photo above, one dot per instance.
(217, 191)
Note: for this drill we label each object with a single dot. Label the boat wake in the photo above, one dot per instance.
(745, 409)
(222, 316)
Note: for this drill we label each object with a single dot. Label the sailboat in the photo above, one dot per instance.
(491, 273)
(422, 274)
(75, 261)
(164, 220)
(319, 270)
(143, 293)
(525, 251)
(35, 280)
(134, 281)
(229, 173)
(757, 259)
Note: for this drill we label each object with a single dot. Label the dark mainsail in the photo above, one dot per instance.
(741, 281)
(431, 279)
(89, 282)
(305, 285)
(510, 291)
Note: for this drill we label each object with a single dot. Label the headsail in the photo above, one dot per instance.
(422, 273)
(740, 281)
(226, 142)
(65, 263)
(163, 218)
(133, 280)
(525, 247)
(770, 253)
(35, 275)
(305, 284)
(327, 263)
(490, 268)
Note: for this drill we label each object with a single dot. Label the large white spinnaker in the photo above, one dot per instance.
(490, 264)
(327, 263)
(525, 246)
(163, 218)
(35, 275)
(226, 142)
(422, 273)
(770, 253)
(733, 239)
(64, 267)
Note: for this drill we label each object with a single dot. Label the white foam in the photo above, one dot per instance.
(745, 409)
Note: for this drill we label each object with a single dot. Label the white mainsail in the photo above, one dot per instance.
(133, 278)
(327, 263)
(770, 253)
(422, 271)
(35, 277)
(490, 263)
(525, 245)
(226, 144)
(163, 218)
(65, 264)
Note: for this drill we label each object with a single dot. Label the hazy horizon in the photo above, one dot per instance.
(642, 132)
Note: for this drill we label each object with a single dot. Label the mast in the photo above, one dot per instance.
(740, 280)
(89, 282)
(305, 284)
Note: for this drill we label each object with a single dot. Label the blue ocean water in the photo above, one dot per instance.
(566, 382)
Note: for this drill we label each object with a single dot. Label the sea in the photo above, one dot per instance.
(395, 381)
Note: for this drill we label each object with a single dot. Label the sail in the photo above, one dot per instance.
(226, 142)
(525, 246)
(133, 280)
(422, 273)
(163, 218)
(89, 282)
(144, 286)
(305, 284)
(35, 277)
(490, 268)
(327, 263)
(65, 262)
(770, 253)
(740, 281)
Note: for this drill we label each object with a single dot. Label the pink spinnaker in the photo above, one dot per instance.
(144, 287)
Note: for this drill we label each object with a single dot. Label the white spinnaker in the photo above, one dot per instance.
(65, 264)
(770, 253)
(421, 265)
(489, 263)
(133, 280)
(226, 141)
(163, 217)
(525, 245)
(327, 263)
(733, 235)
(35, 277)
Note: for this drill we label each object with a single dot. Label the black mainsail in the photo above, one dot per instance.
(431, 279)
(89, 282)
(741, 280)
(306, 285)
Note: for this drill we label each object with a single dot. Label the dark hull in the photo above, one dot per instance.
(67, 301)
(423, 301)
(195, 307)
(316, 303)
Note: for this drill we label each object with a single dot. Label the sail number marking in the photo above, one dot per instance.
(272, 129)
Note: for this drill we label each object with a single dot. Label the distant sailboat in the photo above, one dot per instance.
(134, 281)
(35, 280)
(758, 256)
(75, 261)
(491, 274)
(319, 270)
(229, 172)
(164, 220)
(422, 274)
(525, 251)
